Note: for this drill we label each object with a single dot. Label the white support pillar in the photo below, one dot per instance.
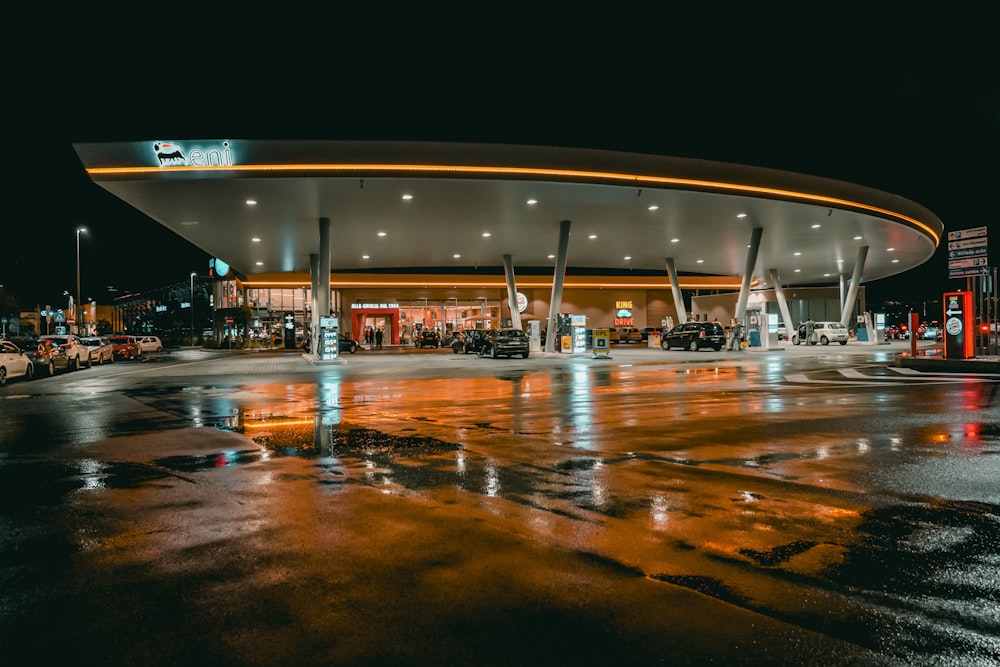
(508, 271)
(843, 290)
(675, 289)
(779, 295)
(314, 287)
(751, 263)
(559, 274)
(323, 278)
(852, 293)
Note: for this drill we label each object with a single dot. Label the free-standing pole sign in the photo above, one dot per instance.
(959, 326)
(602, 342)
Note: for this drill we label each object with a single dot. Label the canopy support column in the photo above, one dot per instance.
(313, 319)
(508, 271)
(752, 250)
(675, 289)
(558, 277)
(779, 294)
(852, 292)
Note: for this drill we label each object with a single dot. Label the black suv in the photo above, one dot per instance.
(505, 343)
(470, 340)
(694, 336)
(427, 338)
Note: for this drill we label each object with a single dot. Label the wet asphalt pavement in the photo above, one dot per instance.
(795, 507)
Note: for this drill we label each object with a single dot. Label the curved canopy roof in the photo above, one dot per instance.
(413, 205)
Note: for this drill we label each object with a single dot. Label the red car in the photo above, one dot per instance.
(124, 347)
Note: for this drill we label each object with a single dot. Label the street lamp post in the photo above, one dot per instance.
(76, 305)
(192, 308)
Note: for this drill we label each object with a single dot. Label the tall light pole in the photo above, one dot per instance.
(76, 305)
(192, 308)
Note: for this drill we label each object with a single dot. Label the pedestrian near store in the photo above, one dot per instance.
(378, 339)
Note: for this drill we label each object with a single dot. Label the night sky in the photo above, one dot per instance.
(916, 115)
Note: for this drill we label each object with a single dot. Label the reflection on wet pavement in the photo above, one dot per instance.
(822, 510)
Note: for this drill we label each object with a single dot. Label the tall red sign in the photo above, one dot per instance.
(959, 326)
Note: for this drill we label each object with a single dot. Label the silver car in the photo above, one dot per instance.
(101, 349)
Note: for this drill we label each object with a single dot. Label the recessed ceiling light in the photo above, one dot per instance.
(701, 261)
(827, 275)
(365, 256)
(407, 197)
(552, 256)
(251, 202)
(532, 202)
(857, 238)
(675, 240)
(741, 215)
(592, 236)
(456, 255)
(654, 207)
(256, 239)
(817, 226)
(381, 233)
(259, 263)
(628, 257)
(798, 270)
(189, 222)
(796, 253)
(895, 261)
(486, 235)
(889, 249)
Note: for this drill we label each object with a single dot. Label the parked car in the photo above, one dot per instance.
(346, 344)
(650, 330)
(505, 343)
(614, 336)
(449, 337)
(149, 344)
(782, 332)
(821, 332)
(427, 338)
(14, 362)
(630, 335)
(78, 354)
(46, 355)
(124, 347)
(472, 340)
(694, 336)
(101, 350)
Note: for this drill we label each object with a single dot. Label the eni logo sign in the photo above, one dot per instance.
(623, 314)
(177, 155)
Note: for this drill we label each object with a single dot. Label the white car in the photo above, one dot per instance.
(14, 363)
(149, 344)
(823, 333)
(76, 351)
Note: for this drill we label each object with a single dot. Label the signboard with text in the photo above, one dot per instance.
(959, 328)
(968, 254)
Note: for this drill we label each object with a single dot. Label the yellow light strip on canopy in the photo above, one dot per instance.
(498, 284)
(523, 171)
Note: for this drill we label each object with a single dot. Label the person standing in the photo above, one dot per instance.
(378, 339)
